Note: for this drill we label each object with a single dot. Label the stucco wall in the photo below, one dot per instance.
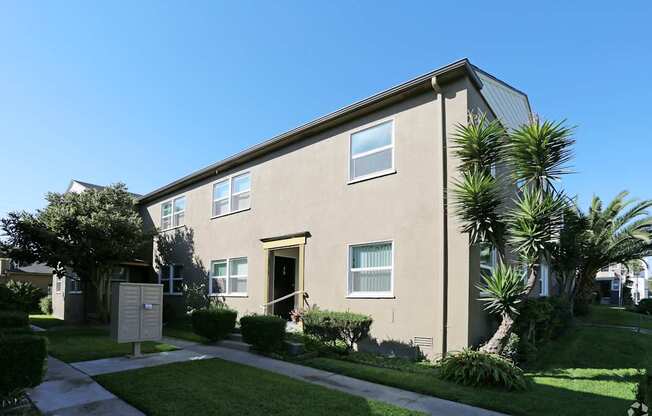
(304, 188)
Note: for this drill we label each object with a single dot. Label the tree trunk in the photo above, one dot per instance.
(103, 297)
(498, 341)
(531, 280)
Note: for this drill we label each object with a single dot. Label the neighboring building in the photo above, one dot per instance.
(37, 274)
(350, 209)
(610, 281)
(75, 299)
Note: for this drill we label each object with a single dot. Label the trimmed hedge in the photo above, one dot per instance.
(644, 306)
(480, 369)
(263, 332)
(13, 319)
(22, 359)
(214, 323)
(331, 327)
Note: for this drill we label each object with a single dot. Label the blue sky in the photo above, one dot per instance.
(145, 93)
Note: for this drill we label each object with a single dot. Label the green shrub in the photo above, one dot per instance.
(263, 332)
(214, 323)
(6, 299)
(25, 295)
(330, 327)
(13, 319)
(22, 359)
(539, 321)
(644, 306)
(476, 368)
(511, 350)
(46, 305)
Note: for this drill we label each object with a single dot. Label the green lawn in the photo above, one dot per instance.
(216, 387)
(45, 321)
(610, 315)
(589, 371)
(182, 329)
(83, 344)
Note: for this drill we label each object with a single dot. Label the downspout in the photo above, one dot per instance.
(443, 336)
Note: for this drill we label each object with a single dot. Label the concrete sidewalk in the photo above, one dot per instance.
(407, 399)
(118, 364)
(67, 391)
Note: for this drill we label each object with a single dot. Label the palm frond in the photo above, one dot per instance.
(478, 200)
(503, 290)
(479, 143)
(539, 152)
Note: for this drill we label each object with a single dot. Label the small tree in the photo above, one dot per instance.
(535, 156)
(88, 232)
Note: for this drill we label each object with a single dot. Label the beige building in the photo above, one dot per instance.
(347, 212)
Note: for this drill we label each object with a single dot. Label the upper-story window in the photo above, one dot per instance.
(173, 213)
(372, 151)
(232, 194)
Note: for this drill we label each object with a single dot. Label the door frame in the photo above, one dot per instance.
(289, 241)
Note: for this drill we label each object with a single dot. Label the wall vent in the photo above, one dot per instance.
(423, 342)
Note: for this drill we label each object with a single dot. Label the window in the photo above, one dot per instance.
(171, 276)
(229, 277)
(372, 152)
(232, 194)
(543, 279)
(173, 213)
(57, 285)
(488, 259)
(74, 285)
(371, 269)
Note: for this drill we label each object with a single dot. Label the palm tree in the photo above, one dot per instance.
(621, 232)
(536, 154)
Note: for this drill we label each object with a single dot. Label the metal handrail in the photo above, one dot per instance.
(284, 297)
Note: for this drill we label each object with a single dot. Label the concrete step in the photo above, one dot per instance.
(235, 336)
(234, 345)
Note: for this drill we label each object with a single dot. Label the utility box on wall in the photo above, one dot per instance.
(136, 312)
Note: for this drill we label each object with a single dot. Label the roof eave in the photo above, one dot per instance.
(399, 92)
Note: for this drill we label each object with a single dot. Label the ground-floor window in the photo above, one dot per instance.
(371, 270)
(543, 279)
(229, 277)
(171, 276)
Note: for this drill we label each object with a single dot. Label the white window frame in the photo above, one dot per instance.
(228, 277)
(72, 281)
(370, 152)
(173, 214)
(230, 196)
(170, 278)
(544, 280)
(349, 273)
(490, 269)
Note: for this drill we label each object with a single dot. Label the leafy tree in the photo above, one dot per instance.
(88, 232)
(535, 156)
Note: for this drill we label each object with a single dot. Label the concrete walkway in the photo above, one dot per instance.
(628, 328)
(406, 399)
(118, 364)
(67, 391)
